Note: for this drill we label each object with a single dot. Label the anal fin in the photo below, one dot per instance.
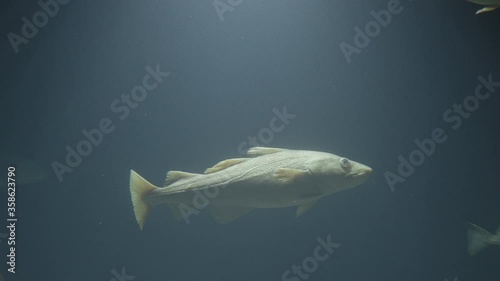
(182, 211)
(302, 209)
(176, 212)
(227, 214)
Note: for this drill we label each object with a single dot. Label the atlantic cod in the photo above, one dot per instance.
(270, 178)
(479, 238)
(490, 5)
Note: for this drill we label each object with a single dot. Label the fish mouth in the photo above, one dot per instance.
(365, 172)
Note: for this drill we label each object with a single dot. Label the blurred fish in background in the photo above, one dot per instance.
(489, 5)
(479, 238)
(28, 171)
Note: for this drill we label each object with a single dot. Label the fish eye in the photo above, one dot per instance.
(345, 163)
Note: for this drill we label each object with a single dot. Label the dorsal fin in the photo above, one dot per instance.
(224, 164)
(173, 176)
(259, 150)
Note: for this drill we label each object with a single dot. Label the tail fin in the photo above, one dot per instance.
(139, 188)
(477, 238)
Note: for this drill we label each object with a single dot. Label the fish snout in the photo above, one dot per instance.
(361, 172)
(368, 170)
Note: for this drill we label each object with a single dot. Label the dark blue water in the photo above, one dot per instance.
(362, 79)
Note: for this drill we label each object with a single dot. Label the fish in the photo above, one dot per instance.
(490, 5)
(267, 178)
(28, 171)
(479, 238)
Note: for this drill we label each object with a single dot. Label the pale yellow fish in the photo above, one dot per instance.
(479, 238)
(490, 5)
(269, 178)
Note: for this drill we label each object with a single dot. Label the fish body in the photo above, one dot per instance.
(490, 5)
(479, 238)
(270, 178)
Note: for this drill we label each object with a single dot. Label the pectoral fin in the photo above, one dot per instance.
(302, 209)
(226, 214)
(173, 176)
(225, 164)
(287, 175)
(259, 151)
